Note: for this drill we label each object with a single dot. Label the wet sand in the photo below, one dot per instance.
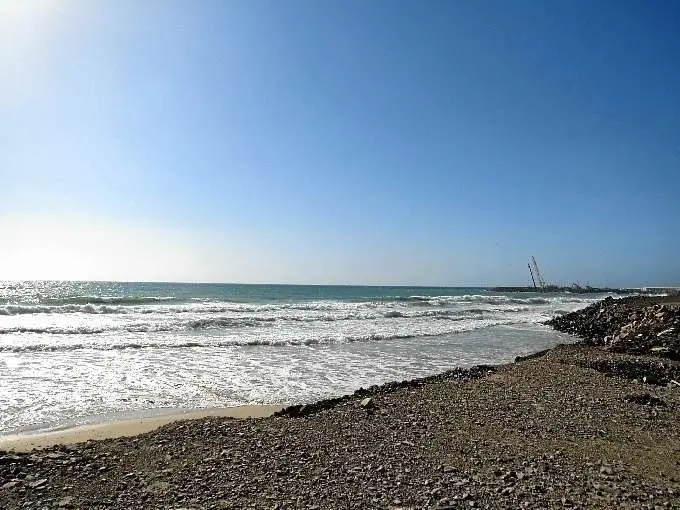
(125, 428)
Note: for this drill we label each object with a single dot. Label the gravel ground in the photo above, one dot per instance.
(569, 428)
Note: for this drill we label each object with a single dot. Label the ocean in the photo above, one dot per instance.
(79, 352)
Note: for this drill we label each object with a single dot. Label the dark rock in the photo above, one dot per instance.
(645, 399)
(631, 325)
(660, 373)
(9, 459)
(535, 355)
(457, 374)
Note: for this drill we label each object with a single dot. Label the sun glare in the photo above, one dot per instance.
(26, 29)
(83, 250)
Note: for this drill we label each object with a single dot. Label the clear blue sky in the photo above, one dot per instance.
(439, 142)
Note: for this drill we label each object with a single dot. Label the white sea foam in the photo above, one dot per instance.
(80, 355)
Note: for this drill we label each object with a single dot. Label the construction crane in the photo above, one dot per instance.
(532, 275)
(541, 282)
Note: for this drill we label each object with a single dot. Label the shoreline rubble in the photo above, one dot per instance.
(634, 325)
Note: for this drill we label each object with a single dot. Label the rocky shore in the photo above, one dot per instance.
(577, 426)
(636, 325)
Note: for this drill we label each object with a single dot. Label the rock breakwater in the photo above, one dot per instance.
(632, 325)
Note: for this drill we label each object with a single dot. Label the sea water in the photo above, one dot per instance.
(75, 352)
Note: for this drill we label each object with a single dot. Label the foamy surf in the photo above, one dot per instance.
(92, 348)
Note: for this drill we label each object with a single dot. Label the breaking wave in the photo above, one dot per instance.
(491, 300)
(250, 342)
(90, 348)
(170, 305)
(59, 309)
(222, 322)
(116, 300)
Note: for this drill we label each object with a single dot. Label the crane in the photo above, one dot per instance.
(532, 275)
(541, 282)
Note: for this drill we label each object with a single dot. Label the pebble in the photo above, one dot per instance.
(367, 402)
(65, 502)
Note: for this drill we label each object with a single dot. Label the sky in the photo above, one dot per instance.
(340, 142)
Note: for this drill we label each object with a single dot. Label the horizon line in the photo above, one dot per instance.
(199, 282)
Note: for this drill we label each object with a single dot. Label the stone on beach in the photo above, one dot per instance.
(367, 403)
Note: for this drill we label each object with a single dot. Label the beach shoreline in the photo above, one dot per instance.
(127, 427)
(577, 425)
(562, 426)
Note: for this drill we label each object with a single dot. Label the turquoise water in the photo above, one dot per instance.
(48, 292)
(72, 352)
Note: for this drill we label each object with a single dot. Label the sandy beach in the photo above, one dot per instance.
(123, 428)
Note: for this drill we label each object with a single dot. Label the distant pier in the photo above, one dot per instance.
(578, 289)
